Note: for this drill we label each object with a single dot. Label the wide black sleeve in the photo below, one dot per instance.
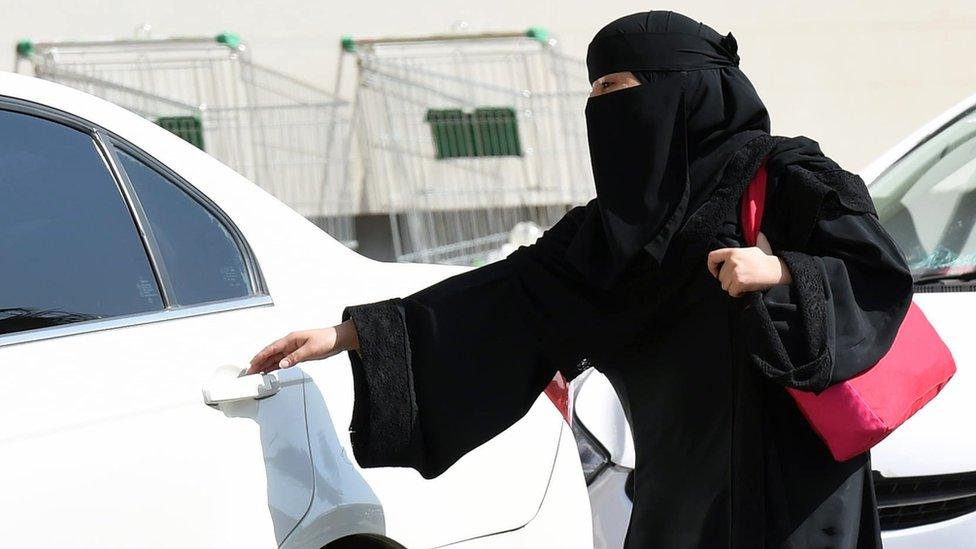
(851, 288)
(441, 371)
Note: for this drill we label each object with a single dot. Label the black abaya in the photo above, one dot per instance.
(723, 457)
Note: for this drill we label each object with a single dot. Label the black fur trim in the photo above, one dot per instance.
(384, 429)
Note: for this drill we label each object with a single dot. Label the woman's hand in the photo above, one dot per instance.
(305, 345)
(742, 270)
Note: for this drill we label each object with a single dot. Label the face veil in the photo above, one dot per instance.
(657, 148)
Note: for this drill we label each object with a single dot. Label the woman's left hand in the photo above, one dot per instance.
(742, 270)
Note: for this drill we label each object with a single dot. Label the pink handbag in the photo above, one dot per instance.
(854, 415)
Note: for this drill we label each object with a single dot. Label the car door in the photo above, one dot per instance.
(122, 290)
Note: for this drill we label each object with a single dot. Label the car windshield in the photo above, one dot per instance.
(927, 201)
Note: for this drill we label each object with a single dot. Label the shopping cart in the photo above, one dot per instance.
(287, 136)
(463, 136)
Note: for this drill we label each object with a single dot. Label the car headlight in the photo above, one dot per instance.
(593, 455)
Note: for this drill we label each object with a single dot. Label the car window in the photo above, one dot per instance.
(69, 248)
(927, 200)
(201, 258)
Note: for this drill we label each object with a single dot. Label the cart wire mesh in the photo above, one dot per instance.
(465, 136)
(289, 137)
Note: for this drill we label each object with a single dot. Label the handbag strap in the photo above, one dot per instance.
(752, 204)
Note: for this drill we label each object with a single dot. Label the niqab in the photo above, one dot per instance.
(656, 148)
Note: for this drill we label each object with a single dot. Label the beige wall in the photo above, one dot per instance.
(854, 75)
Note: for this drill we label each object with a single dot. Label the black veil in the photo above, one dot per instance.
(657, 148)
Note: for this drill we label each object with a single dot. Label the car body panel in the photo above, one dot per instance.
(125, 403)
(565, 504)
(933, 441)
(611, 505)
(957, 533)
(99, 430)
(484, 479)
(598, 407)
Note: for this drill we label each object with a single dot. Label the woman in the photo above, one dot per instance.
(652, 284)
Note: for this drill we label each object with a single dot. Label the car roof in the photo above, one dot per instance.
(73, 101)
(208, 174)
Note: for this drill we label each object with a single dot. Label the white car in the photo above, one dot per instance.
(139, 275)
(925, 472)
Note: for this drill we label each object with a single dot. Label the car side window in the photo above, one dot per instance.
(69, 248)
(200, 257)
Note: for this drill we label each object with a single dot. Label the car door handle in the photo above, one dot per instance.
(228, 384)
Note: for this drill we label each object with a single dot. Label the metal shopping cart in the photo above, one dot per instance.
(464, 136)
(287, 136)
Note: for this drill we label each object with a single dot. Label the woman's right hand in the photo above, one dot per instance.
(305, 345)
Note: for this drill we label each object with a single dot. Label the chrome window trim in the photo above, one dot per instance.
(255, 275)
(138, 319)
(138, 214)
(105, 141)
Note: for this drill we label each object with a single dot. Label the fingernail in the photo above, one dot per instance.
(283, 363)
